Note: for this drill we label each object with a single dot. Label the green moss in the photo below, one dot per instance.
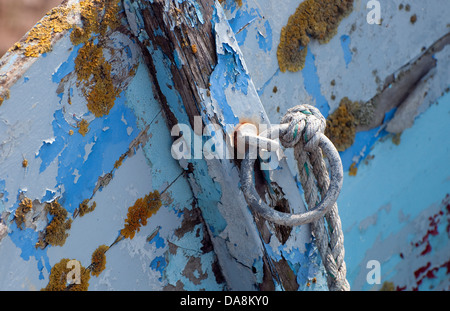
(316, 19)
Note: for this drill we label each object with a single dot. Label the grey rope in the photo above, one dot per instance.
(302, 128)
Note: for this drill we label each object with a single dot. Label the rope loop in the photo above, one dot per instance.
(302, 128)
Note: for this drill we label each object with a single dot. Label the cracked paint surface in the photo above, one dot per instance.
(204, 236)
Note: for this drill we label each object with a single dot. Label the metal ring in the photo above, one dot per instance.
(259, 206)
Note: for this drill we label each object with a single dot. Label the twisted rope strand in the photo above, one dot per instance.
(305, 124)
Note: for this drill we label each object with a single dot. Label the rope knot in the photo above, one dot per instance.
(305, 122)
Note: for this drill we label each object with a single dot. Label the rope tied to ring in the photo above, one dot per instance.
(306, 126)
(304, 123)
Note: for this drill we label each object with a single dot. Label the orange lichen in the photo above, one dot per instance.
(97, 16)
(342, 123)
(138, 214)
(238, 2)
(396, 139)
(98, 260)
(83, 127)
(316, 19)
(24, 207)
(93, 71)
(84, 208)
(194, 48)
(387, 287)
(61, 272)
(4, 96)
(341, 126)
(25, 163)
(55, 232)
(119, 162)
(94, 76)
(353, 169)
(39, 38)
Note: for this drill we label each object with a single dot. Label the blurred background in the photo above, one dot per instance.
(18, 16)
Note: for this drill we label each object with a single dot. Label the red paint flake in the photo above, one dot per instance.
(430, 273)
(421, 270)
(446, 265)
(427, 249)
(400, 289)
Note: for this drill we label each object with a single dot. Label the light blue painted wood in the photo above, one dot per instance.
(395, 210)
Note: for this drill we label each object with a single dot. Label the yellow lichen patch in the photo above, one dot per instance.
(341, 126)
(97, 16)
(55, 232)
(39, 38)
(94, 76)
(98, 260)
(353, 170)
(342, 123)
(84, 208)
(118, 163)
(138, 214)
(238, 2)
(316, 19)
(387, 287)
(92, 69)
(62, 277)
(396, 139)
(83, 127)
(4, 96)
(24, 207)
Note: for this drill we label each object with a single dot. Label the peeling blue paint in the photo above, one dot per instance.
(49, 196)
(345, 44)
(4, 194)
(68, 66)
(159, 264)
(228, 71)
(364, 142)
(258, 267)
(243, 18)
(312, 83)
(108, 146)
(399, 180)
(25, 240)
(265, 42)
(158, 240)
